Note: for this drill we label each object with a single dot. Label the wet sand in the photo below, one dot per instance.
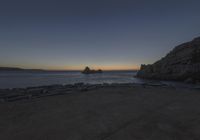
(105, 113)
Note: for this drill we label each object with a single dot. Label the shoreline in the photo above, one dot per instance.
(15, 94)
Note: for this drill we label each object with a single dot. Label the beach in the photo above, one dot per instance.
(99, 70)
(100, 112)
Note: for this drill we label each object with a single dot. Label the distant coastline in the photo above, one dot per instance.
(18, 69)
(7, 69)
(45, 70)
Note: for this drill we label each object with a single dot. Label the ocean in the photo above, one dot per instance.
(23, 79)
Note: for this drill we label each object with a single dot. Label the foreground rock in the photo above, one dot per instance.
(87, 70)
(182, 63)
(29, 93)
(16, 94)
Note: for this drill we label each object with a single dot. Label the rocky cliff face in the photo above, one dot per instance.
(182, 63)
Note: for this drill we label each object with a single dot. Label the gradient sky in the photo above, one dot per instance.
(107, 34)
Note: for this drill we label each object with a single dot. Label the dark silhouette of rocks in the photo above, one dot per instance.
(10, 69)
(87, 70)
(182, 63)
(19, 69)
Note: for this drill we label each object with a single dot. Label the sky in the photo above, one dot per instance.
(106, 34)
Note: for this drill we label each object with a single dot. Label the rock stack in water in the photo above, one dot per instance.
(87, 70)
(182, 63)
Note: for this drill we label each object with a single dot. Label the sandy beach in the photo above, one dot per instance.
(122, 112)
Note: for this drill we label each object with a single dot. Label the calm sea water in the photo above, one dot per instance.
(29, 79)
(25, 79)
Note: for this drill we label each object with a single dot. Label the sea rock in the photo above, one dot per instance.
(182, 63)
(87, 70)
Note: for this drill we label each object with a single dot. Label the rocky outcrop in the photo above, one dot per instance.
(29, 93)
(87, 70)
(182, 63)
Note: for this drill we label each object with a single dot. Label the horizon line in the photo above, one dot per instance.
(24, 68)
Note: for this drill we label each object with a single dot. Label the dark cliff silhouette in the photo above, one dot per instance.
(182, 63)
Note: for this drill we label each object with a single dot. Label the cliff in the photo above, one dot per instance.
(182, 63)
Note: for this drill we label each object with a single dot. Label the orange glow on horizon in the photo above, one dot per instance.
(96, 68)
(81, 67)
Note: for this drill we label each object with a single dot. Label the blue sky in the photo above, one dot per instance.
(107, 34)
